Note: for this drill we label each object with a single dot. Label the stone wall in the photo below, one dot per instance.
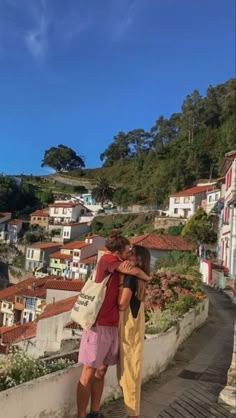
(54, 396)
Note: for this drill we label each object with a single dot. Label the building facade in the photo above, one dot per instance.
(227, 228)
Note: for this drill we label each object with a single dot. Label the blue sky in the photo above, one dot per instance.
(76, 72)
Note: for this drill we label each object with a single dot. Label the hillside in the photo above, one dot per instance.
(146, 166)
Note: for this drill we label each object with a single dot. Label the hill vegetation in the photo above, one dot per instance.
(145, 166)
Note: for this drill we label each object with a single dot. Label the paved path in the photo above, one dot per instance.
(191, 385)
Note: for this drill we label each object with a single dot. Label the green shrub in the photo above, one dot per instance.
(19, 367)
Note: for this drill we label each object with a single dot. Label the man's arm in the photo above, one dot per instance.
(126, 267)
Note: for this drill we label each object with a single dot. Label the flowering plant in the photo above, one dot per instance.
(19, 367)
(168, 296)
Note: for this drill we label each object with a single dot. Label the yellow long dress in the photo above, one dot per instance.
(131, 340)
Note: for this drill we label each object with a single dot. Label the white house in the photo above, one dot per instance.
(212, 197)
(68, 231)
(77, 258)
(62, 289)
(51, 326)
(227, 235)
(6, 313)
(37, 255)
(9, 228)
(184, 204)
(66, 212)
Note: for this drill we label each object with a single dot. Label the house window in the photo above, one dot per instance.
(64, 211)
(28, 254)
(177, 200)
(56, 210)
(32, 254)
(39, 219)
(18, 300)
(4, 305)
(187, 199)
(76, 253)
(210, 198)
(175, 210)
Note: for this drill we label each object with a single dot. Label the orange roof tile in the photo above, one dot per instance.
(17, 333)
(66, 284)
(34, 293)
(60, 256)
(41, 212)
(162, 242)
(14, 221)
(74, 245)
(193, 190)
(43, 245)
(13, 290)
(64, 205)
(58, 307)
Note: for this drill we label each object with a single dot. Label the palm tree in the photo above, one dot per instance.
(104, 191)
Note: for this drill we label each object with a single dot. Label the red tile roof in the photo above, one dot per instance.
(193, 190)
(72, 325)
(34, 293)
(66, 284)
(162, 242)
(44, 245)
(32, 283)
(60, 256)
(93, 236)
(58, 307)
(3, 214)
(75, 245)
(18, 333)
(14, 221)
(13, 290)
(64, 205)
(41, 212)
(89, 259)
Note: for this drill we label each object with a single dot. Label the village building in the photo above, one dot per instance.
(9, 228)
(37, 254)
(40, 218)
(227, 228)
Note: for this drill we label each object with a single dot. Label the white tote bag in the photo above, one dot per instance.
(89, 302)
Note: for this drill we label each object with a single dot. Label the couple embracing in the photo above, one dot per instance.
(117, 336)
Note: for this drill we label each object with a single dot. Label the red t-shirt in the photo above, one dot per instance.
(109, 312)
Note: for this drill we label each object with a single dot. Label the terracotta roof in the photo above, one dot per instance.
(66, 284)
(74, 245)
(89, 259)
(3, 214)
(93, 236)
(32, 284)
(58, 307)
(193, 190)
(60, 256)
(14, 221)
(64, 205)
(17, 333)
(162, 242)
(43, 245)
(35, 293)
(17, 288)
(41, 212)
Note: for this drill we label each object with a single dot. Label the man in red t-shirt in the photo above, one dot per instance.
(99, 345)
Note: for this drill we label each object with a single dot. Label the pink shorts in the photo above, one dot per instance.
(99, 345)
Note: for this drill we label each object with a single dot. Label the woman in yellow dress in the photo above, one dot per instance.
(131, 332)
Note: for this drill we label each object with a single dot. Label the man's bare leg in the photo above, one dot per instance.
(97, 387)
(84, 390)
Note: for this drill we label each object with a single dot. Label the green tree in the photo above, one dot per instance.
(117, 150)
(104, 191)
(198, 229)
(62, 158)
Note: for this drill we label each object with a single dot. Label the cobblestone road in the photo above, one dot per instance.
(191, 385)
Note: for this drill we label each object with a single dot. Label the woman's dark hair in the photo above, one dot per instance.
(143, 258)
(116, 242)
(143, 261)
